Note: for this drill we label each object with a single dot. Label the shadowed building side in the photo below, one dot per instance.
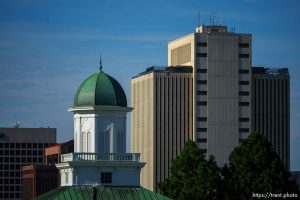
(271, 108)
(161, 121)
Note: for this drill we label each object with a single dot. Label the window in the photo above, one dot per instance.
(244, 119)
(244, 82)
(67, 177)
(244, 71)
(106, 177)
(202, 44)
(242, 93)
(244, 130)
(201, 70)
(244, 45)
(201, 103)
(204, 150)
(201, 129)
(244, 103)
(202, 55)
(202, 119)
(204, 82)
(201, 140)
(202, 92)
(243, 55)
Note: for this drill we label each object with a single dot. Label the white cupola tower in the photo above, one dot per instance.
(100, 109)
(100, 158)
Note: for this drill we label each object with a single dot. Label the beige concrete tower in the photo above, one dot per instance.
(161, 120)
(221, 62)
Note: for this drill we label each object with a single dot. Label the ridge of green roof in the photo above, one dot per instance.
(100, 193)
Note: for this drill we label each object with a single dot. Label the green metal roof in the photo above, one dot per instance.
(100, 89)
(100, 193)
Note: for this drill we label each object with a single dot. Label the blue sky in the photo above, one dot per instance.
(48, 47)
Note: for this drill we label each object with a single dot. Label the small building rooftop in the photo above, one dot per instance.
(211, 29)
(270, 71)
(162, 69)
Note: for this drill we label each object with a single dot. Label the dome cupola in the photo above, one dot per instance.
(100, 89)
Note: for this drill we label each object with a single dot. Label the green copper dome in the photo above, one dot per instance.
(100, 89)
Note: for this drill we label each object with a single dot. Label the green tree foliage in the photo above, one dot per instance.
(254, 167)
(192, 176)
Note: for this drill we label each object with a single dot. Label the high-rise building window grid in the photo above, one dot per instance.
(11, 163)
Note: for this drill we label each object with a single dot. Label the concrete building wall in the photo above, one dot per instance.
(161, 120)
(142, 126)
(271, 108)
(221, 87)
(222, 96)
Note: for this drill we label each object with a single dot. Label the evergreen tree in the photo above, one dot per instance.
(192, 176)
(254, 167)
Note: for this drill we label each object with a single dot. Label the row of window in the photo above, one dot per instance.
(241, 93)
(201, 129)
(11, 188)
(9, 174)
(204, 119)
(204, 103)
(241, 130)
(241, 45)
(241, 55)
(201, 140)
(23, 145)
(202, 92)
(242, 71)
(21, 152)
(11, 195)
(202, 82)
(10, 166)
(20, 159)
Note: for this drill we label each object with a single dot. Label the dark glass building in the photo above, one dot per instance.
(271, 108)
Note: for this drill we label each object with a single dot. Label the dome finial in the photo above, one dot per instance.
(100, 63)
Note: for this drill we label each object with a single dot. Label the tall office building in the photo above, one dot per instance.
(221, 62)
(19, 147)
(161, 120)
(271, 108)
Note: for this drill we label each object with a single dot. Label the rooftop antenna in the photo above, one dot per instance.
(198, 18)
(206, 15)
(16, 124)
(100, 64)
(213, 18)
